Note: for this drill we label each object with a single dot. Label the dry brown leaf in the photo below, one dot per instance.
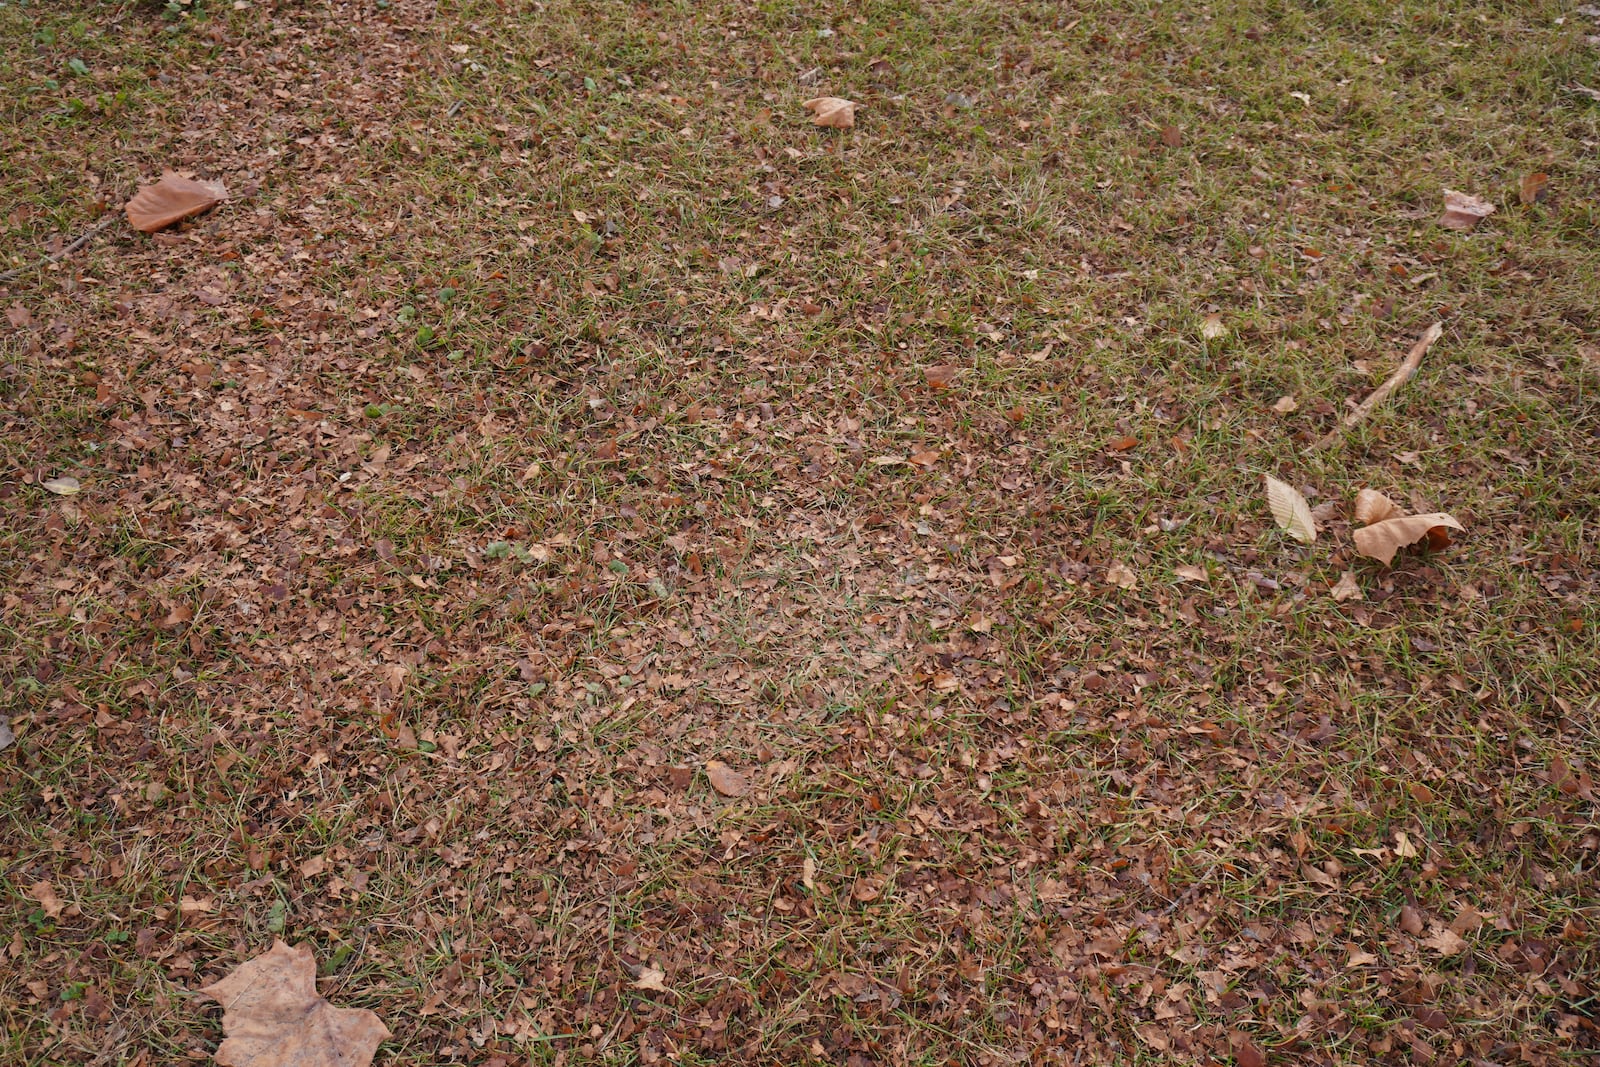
(172, 199)
(808, 873)
(1245, 1052)
(726, 780)
(272, 1016)
(1291, 511)
(1188, 572)
(1285, 404)
(832, 111)
(45, 894)
(1382, 540)
(1346, 588)
(651, 978)
(1410, 920)
(1372, 506)
(65, 485)
(1463, 212)
(1121, 577)
(1445, 941)
(1532, 189)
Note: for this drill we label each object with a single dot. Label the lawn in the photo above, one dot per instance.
(631, 576)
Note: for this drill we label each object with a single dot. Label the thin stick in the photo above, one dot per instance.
(1407, 368)
(84, 238)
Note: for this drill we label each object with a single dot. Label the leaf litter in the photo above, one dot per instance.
(272, 652)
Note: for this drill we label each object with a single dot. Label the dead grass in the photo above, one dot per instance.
(533, 425)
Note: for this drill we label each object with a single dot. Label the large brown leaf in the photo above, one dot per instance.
(1382, 540)
(172, 199)
(272, 1016)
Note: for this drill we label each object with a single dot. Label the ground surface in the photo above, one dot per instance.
(553, 411)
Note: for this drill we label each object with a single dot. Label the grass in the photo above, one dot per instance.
(552, 410)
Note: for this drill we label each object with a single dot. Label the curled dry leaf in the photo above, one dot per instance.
(1121, 577)
(1445, 941)
(1212, 327)
(1346, 588)
(48, 899)
(651, 978)
(1286, 404)
(272, 1016)
(65, 485)
(1291, 511)
(726, 780)
(1372, 506)
(1382, 540)
(1532, 189)
(172, 199)
(1463, 212)
(832, 111)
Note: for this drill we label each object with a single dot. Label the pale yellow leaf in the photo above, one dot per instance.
(1382, 540)
(1285, 404)
(1291, 511)
(1212, 327)
(808, 873)
(65, 485)
(1188, 572)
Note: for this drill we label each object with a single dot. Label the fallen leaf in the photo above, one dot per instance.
(1358, 958)
(939, 378)
(1121, 577)
(832, 111)
(923, 459)
(1382, 540)
(808, 873)
(45, 894)
(1532, 189)
(19, 316)
(651, 978)
(1445, 941)
(272, 1016)
(65, 485)
(1403, 846)
(1171, 136)
(1410, 920)
(726, 780)
(1463, 212)
(1372, 506)
(1122, 444)
(1211, 327)
(1291, 511)
(1245, 1052)
(1285, 404)
(1190, 573)
(170, 200)
(1346, 588)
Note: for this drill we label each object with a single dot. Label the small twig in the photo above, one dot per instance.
(84, 238)
(1379, 395)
